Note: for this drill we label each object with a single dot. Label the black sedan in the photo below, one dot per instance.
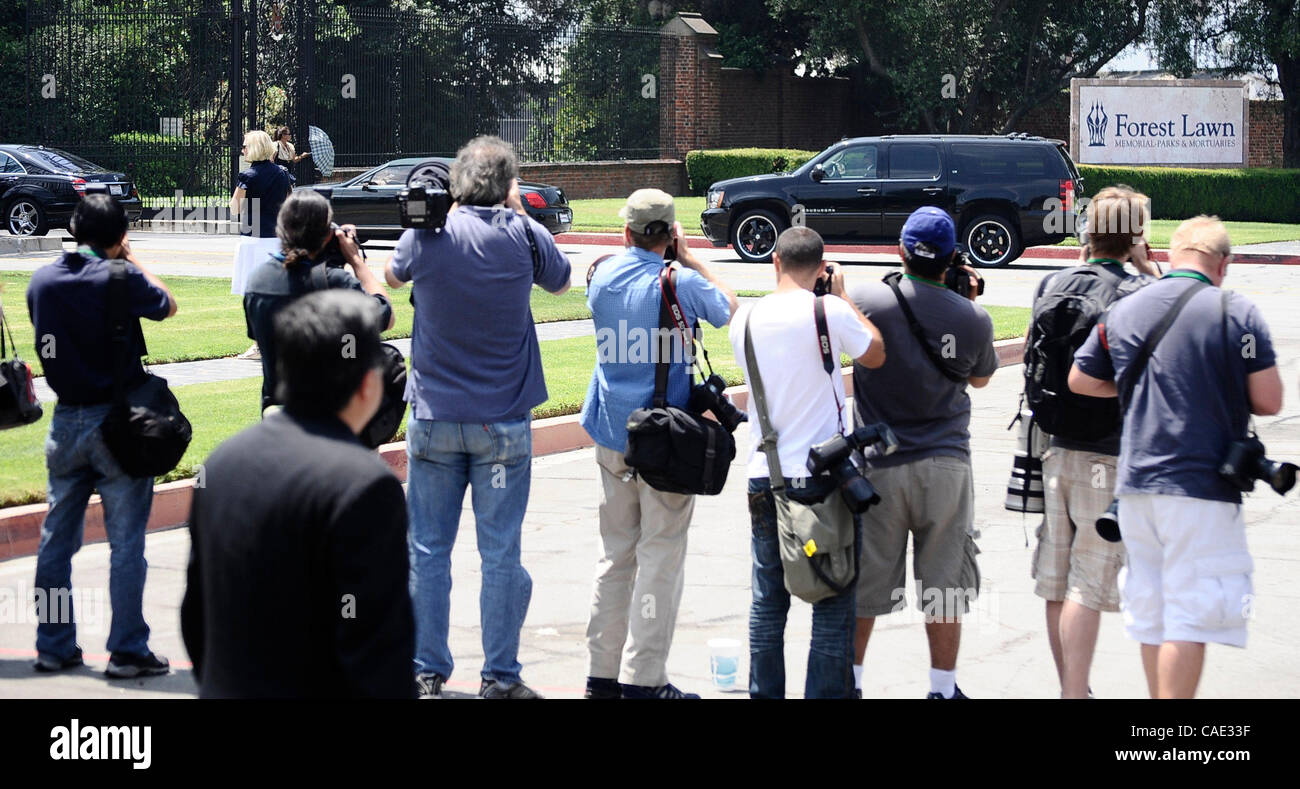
(39, 188)
(369, 201)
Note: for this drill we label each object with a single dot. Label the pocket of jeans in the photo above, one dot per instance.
(762, 514)
(1223, 590)
(511, 441)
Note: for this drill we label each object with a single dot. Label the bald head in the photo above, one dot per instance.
(1201, 243)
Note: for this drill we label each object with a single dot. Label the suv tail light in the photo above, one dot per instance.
(1067, 194)
(534, 199)
(79, 184)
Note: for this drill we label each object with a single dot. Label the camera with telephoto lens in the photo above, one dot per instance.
(1108, 522)
(957, 279)
(708, 396)
(1246, 463)
(426, 201)
(835, 455)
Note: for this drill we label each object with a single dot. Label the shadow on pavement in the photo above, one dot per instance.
(180, 681)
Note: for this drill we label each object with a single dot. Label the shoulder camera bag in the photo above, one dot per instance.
(672, 449)
(18, 403)
(818, 542)
(145, 430)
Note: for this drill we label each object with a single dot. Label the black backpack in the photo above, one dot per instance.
(1063, 316)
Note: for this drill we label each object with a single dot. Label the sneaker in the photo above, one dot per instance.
(956, 694)
(430, 685)
(122, 665)
(598, 688)
(252, 353)
(495, 689)
(47, 664)
(668, 691)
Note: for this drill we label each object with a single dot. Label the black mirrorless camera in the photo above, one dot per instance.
(835, 455)
(708, 396)
(426, 201)
(957, 279)
(1244, 464)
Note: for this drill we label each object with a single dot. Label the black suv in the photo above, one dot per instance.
(40, 187)
(1004, 192)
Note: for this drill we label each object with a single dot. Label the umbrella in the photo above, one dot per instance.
(322, 150)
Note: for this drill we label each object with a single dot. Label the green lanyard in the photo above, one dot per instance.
(1189, 275)
(1105, 260)
(932, 283)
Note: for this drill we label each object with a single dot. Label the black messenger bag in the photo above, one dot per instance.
(145, 430)
(672, 449)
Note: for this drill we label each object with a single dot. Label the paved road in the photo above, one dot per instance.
(1004, 650)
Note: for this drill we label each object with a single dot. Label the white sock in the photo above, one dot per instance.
(943, 682)
(857, 677)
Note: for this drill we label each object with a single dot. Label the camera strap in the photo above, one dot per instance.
(769, 442)
(892, 280)
(828, 355)
(1139, 365)
(532, 249)
(673, 318)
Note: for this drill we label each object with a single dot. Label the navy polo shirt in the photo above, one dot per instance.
(68, 304)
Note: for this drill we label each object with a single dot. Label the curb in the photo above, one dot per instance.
(20, 527)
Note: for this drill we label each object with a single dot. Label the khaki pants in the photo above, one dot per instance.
(639, 575)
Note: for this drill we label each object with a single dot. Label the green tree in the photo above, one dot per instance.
(1236, 37)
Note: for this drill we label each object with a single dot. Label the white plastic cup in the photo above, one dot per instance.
(724, 662)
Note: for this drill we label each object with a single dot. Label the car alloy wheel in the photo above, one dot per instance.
(754, 236)
(990, 241)
(24, 218)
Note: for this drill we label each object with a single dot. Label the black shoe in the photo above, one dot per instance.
(598, 688)
(429, 685)
(956, 694)
(122, 665)
(495, 689)
(857, 693)
(48, 665)
(668, 691)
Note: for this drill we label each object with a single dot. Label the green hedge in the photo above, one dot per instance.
(1250, 194)
(158, 164)
(706, 167)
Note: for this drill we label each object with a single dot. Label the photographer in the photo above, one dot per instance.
(1206, 369)
(1075, 569)
(804, 408)
(921, 393)
(642, 530)
(476, 375)
(312, 256)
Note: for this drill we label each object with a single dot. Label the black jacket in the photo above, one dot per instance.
(298, 575)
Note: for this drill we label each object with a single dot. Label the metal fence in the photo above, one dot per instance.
(164, 90)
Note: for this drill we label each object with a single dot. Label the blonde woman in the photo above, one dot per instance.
(260, 190)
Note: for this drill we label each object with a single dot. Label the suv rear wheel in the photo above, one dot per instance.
(991, 240)
(753, 236)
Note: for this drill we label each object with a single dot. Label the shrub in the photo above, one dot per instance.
(706, 167)
(1250, 194)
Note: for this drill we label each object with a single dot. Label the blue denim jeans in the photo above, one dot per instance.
(495, 462)
(79, 461)
(830, 655)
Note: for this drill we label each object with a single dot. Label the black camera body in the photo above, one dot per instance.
(957, 279)
(823, 284)
(835, 455)
(332, 255)
(1246, 462)
(426, 201)
(708, 396)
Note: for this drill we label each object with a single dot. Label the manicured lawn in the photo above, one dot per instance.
(210, 321)
(602, 216)
(218, 411)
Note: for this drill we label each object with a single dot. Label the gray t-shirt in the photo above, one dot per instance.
(929, 413)
(1192, 402)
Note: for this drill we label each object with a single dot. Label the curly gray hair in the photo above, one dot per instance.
(483, 170)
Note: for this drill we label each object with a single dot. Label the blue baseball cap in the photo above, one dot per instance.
(932, 229)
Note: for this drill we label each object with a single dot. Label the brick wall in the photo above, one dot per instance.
(777, 109)
(581, 180)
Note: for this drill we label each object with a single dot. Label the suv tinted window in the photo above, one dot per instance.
(913, 161)
(856, 161)
(1001, 162)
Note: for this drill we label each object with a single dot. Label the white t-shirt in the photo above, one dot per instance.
(800, 393)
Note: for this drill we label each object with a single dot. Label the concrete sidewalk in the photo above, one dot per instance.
(1004, 650)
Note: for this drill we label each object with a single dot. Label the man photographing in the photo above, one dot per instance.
(1190, 364)
(939, 343)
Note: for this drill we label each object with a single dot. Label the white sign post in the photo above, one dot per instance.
(1159, 122)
